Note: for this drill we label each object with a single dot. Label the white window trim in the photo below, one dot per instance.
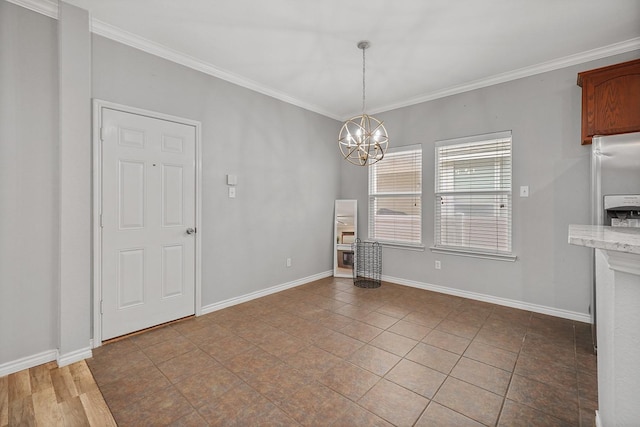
(393, 244)
(474, 253)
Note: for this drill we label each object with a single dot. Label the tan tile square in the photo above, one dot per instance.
(410, 330)
(542, 348)
(379, 320)
(190, 325)
(192, 419)
(307, 330)
(186, 365)
(353, 311)
(491, 355)
(394, 343)
(487, 377)
(374, 359)
(437, 415)
(433, 357)
(469, 400)
(445, 341)
(169, 349)
(471, 312)
(111, 367)
(416, 377)
(392, 310)
(516, 415)
(312, 360)
(335, 321)
(558, 402)
(226, 348)
(282, 344)
(279, 382)
(155, 336)
(395, 404)
(547, 372)
(357, 416)
(316, 405)
(241, 406)
(208, 385)
(339, 344)
(160, 408)
(511, 341)
(361, 331)
(210, 332)
(430, 320)
(251, 362)
(113, 350)
(349, 380)
(456, 328)
(134, 387)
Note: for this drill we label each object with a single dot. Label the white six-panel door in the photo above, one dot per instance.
(148, 221)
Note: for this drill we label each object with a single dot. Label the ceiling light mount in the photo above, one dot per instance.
(363, 139)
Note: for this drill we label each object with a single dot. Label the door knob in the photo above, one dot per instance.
(191, 230)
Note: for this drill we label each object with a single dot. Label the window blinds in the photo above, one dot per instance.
(473, 194)
(395, 197)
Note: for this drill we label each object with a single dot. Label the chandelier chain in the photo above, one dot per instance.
(363, 79)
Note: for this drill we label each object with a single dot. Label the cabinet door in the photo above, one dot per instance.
(346, 231)
(610, 100)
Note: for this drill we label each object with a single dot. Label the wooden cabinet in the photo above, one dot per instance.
(610, 100)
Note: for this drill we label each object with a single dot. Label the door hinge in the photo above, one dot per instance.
(101, 223)
(101, 134)
(101, 307)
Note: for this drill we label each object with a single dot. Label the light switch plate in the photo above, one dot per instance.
(232, 179)
(524, 191)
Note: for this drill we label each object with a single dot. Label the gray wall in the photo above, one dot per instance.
(285, 159)
(28, 183)
(543, 111)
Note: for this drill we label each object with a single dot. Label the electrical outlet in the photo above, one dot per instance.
(288, 262)
(438, 265)
(524, 191)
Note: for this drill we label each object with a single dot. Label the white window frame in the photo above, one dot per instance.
(416, 244)
(505, 191)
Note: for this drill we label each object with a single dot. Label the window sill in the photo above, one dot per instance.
(461, 252)
(408, 246)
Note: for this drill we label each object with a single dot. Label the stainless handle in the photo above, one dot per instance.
(191, 230)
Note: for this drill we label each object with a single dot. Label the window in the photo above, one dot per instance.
(395, 197)
(473, 195)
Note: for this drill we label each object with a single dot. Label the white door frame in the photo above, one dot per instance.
(98, 107)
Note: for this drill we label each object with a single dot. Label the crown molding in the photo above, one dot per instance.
(117, 34)
(45, 7)
(50, 8)
(556, 64)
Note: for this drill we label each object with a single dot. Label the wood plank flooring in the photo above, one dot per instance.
(50, 396)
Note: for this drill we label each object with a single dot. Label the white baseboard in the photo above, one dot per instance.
(598, 420)
(74, 356)
(210, 308)
(557, 312)
(28, 362)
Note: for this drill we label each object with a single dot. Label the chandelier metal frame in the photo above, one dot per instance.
(363, 139)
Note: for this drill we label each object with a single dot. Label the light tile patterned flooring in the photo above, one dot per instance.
(328, 353)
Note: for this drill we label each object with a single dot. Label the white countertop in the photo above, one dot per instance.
(620, 239)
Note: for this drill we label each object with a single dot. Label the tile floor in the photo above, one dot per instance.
(328, 353)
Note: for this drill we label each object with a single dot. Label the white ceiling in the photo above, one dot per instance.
(304, 51)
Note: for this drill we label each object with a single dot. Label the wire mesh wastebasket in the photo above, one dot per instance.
(367, 268)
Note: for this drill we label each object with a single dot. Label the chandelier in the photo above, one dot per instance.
(363, 139)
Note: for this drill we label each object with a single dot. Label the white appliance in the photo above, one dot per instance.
(615, 195)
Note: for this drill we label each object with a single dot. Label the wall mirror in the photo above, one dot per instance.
(346, 232)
